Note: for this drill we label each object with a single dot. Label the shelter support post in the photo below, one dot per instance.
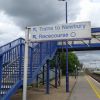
(37, 81)
(56, 72)
(43, 75)
(48, 77)
(67, 76)
(59, 61)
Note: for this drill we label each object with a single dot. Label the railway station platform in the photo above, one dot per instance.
(59, 93)
(86, 88)
(82, 88)
(40, 54)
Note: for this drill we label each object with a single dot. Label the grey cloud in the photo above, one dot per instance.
(37, 12)
(88, 56)
(73, 9)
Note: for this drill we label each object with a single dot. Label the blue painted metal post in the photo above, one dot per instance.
(67, 76)
(56, 73)
(37, 79)
(50, 48)
(20, 60)
(43, 76)
(10, 53)
(47, 78)
(1, 61)
(31, 59)
(59, 69)
(40, 53)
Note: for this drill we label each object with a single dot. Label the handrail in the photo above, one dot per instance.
(9, 45)
(13, 70)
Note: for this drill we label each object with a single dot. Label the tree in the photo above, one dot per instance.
(72, 61)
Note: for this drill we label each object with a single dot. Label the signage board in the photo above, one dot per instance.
(78, 30)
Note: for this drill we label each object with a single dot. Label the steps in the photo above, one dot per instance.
(9, 77)
(12, 67)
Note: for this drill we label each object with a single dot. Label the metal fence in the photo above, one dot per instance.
(12, 60)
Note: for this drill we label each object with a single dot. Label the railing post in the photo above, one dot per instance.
(20, 60)
(10, 53)
(47, 77)
(40, 52)
(9, 45)
(1, 62)
(31, 59)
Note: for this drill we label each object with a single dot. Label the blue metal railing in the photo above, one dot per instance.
(9, 67)
(12, 63)
(10, 45)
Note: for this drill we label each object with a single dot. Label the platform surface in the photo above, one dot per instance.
(55, 94)
(86, 88)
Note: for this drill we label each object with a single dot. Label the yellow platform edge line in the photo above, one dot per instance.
(93, 87)
(96, 88)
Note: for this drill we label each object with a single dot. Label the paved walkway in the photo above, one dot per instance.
(86, 89)
(55, 94)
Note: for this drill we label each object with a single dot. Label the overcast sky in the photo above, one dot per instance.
(15, 15)
(89, 58)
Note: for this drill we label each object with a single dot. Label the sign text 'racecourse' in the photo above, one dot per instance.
(61, 32)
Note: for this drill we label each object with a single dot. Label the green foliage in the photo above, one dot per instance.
(72, 61)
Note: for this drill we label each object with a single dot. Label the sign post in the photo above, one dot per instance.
(25, 64)
(70, 31)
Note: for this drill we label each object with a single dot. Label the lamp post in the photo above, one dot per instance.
(66, 10)
(67, 76)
